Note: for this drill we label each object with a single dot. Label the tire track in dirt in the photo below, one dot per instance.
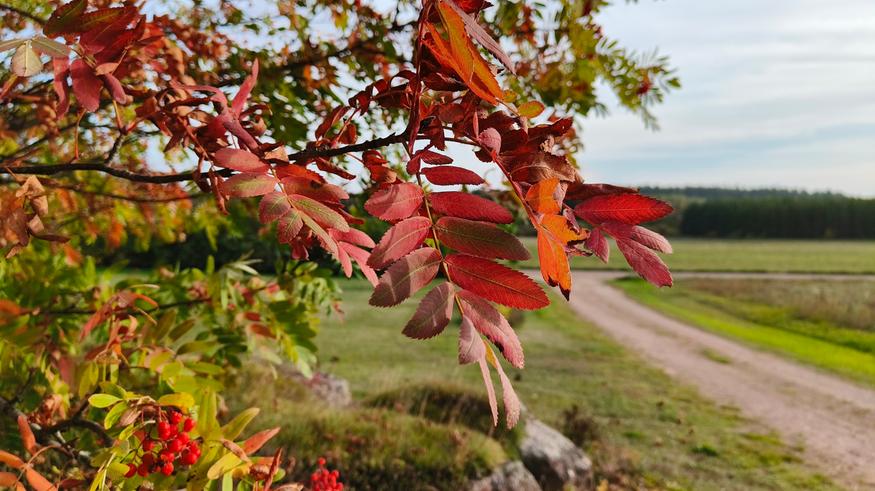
(832, 418)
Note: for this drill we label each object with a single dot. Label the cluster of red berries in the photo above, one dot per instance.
(323, 480)
(170, 443)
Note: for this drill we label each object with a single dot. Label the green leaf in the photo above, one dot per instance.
(223, 466)
(101, 401)
(531, 109)
(114, 415)
(181, 400)
(236, 426)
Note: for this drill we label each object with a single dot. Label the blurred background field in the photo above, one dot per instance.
(605, 399)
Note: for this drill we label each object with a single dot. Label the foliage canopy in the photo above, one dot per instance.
(152, 120)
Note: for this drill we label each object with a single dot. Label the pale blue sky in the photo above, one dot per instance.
(776, 93)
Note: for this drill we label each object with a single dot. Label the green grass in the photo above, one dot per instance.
(845, 351)
(641, 429)
(809, 256)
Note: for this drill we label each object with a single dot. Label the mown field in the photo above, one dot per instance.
(809, 256)
(642, 430)
(828, 324)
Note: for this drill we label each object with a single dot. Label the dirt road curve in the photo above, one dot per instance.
(833, 419)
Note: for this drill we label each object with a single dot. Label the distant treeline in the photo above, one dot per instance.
(765, 213)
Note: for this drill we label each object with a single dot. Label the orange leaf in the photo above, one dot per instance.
(542, 196)
(27, 437)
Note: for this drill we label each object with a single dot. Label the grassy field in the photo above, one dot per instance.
(810, 256)
(642, 430)
(830, 325)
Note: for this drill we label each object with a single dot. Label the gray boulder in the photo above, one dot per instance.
(512, 476)
(553, 459)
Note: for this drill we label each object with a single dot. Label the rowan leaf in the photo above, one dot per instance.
(542, 196)
(395, 202)
(451, 175)
(490, 139)
(288, 227)
(324, 237)
(256, 441)
(553, 262)
(407, 276)
(489, 322)
(50, 47)
(471, 347)
(11, 44)
(598, 244)
(86, 85)
(479, 239)
(322, 214)
(433, 314)
(630, 208)
(25, 61)
(240, 160)
(28, 440)
(247, 185)
(531, 109)
(461, 48)
(10, 480)
(434, 158)
(490, 389)
(65, 19)
(645, 262)
(360, 256)
(399, 240)
(509, 397)
(464, 205)
(273, 206)
(477, 32)
(495, 282)
(354, 236)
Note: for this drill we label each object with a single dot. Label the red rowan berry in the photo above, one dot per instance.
(143, 469)
(175, 417)
(183, 439)
(148, 444)
(164, 430)
(167, 455)
(132, 470)
(188, 458)
(174, 445)
(148, 459)
(187, 424)
(167, 469)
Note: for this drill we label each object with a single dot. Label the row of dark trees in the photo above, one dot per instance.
(786, 216)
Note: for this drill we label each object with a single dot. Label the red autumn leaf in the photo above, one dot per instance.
(625, 208)
(273, 206)
(490, 139)
(320, 191)
(471, 347)
(553, 261)
(10, 480)
(248, 185)
(464, 205)
(86, 85)
(288, 227)
(243, 92)
(495, 282)
(542, 196)
(479, 239)
(477, 32)
(510, 399)
(353, 236)
(639, 234)
(490, 389)
(489, 322)
(645, 262)
(433, 314)
(434, 158)
(256, 441)
(360, 257)
(406, 277)
(240, 160)
(450, 175)
(322, 214)
(598, 244)
(399, 240)
(65, 18)
(395, 201)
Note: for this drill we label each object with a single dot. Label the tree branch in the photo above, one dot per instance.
(22, 13)
(303, 155)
